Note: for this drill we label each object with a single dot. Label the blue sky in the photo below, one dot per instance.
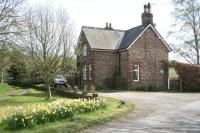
(123, 14)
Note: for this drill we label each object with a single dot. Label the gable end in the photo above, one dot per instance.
(157, 33)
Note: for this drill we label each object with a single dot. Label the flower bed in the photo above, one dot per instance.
(29, 116)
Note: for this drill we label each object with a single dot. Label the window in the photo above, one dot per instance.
(89, 72)
(85, 50)
(84, 72)
(136, 73)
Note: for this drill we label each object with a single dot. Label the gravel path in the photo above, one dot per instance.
(156, 113)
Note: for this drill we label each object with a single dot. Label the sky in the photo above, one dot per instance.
(123, 14)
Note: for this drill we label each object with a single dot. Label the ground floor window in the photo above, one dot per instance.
(89, 72)
(136, 71)
(84, 72)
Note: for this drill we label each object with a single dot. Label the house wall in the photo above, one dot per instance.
(84, 60)
(148, 52)
(124, 65)
(105, 64)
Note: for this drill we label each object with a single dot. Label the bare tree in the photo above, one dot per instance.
(67, 37)
(47, 38)
(9, 27)
(187, 14)
(4, 60)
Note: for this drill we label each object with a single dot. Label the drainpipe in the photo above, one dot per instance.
(119, 58)
(155, 62)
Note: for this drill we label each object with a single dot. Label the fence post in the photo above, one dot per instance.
(168, 84)
(181, 87)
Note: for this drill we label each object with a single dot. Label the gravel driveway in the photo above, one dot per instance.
(156, 112)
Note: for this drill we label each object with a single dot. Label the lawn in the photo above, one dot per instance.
(17, 96)
(14, 96)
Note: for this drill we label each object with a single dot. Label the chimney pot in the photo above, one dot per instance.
(110, 26)
(106, 26)
(149, 8)
(145, 8)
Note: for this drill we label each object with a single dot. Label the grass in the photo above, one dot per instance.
(14, 96)
(4, 88)
(87, 120)
(19, 98)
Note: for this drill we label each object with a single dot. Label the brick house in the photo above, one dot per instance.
(136, 54)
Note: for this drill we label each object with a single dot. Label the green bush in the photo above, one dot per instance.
(141, 88)
(120, 82)
(17, 71)
(109, 83)
(153, 88)
(102, 87)
(29, 116)
(146, 88)
(116, 82)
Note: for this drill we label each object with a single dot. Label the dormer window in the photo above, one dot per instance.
(85, 50)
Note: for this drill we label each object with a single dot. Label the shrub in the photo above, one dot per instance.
(146, 88)
(189, 75)
(17, 71)
(142, 88)
(29, 116)
(115, 82)
(120, 82)
(109, 83)
(102, 87)
(153, 88)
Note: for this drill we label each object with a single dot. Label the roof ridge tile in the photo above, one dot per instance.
(103, 28)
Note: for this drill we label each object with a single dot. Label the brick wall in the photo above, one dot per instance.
(148, 52)
(124, 64)
(105, 64)
(84, 60)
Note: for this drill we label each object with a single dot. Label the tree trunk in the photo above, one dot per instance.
(198, 56)
(196, 45)
(49, 92)
(2, 76)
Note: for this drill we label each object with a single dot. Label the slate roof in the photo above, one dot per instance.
(130, 36)
(101, 38)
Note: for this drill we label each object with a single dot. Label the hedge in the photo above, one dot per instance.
(189, 76)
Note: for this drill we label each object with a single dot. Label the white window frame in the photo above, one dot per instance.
(84, 72)
(137, 71)
(85, 50)
(89, 72)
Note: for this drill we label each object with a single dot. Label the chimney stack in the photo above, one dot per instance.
(106, 26)
(110, 26)
(147, 16)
